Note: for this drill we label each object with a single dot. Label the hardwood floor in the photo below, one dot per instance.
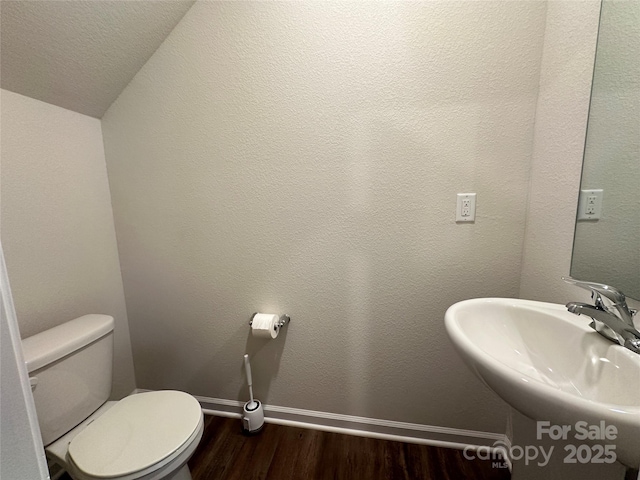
(288, 453)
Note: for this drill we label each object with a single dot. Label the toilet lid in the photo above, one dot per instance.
(139, 431)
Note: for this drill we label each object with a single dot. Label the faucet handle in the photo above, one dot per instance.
(599, 290)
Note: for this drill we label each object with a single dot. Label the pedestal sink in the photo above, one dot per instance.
(550, 366)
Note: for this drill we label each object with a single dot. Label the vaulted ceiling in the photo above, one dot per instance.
(77, 54)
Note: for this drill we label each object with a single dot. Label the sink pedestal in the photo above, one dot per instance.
(524, 438)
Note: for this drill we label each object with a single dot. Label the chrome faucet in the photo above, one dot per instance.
(612, 318)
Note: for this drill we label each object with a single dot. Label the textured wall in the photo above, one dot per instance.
(21, 447)
(608, 250)
(80, 55)
(57, 226)
(561, 120)
(305, 158)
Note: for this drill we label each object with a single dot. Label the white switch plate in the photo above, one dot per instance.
(590, 204)
(466, 207)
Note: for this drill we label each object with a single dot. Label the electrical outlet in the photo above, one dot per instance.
(466, 207)
(590, 204)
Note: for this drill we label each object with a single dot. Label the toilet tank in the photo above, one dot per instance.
(70, 369)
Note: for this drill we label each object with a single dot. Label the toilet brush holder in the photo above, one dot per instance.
(252, 417)
(252, 412)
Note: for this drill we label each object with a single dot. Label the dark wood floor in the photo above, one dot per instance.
(284, 453)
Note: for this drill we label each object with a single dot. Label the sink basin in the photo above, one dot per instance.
(551, 366)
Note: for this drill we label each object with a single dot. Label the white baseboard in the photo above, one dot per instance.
(360, 426)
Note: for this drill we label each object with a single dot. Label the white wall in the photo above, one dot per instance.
(57, 224)
(21, 447)
(305, 158)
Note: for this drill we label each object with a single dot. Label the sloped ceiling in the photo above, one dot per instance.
(80, 55)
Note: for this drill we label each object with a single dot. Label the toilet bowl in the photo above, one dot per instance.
(145, 436)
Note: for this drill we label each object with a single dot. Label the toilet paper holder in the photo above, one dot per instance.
(284, 320)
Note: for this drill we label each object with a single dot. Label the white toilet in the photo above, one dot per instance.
(147, 436)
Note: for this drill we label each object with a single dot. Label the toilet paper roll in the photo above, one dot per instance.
(265, 325)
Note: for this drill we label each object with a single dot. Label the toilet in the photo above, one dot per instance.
(146, 436)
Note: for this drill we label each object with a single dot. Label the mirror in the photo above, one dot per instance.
(606, 245)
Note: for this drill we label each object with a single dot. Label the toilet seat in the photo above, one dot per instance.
(137, 436)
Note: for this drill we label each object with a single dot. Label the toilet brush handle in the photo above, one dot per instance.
(247, 368)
